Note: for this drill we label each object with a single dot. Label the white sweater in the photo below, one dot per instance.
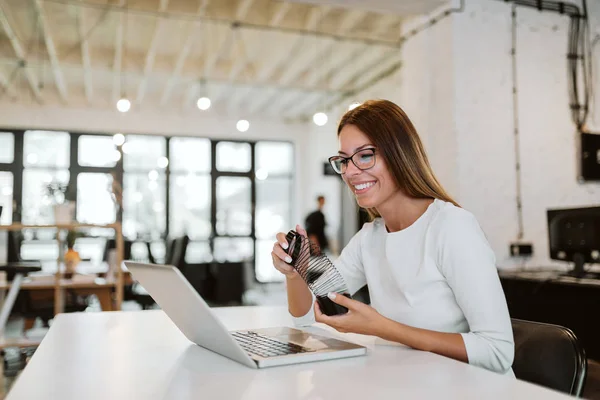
(437, 274)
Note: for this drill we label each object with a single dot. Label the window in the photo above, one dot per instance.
(190, 155)
(274, 185)
(189, 190)
(234, 206)
(37, 202)
(97, 151)
(6, 197)
(46, 149)
(144, 187)
(233, 157)
(7, 147)
(94, 201)
(144, 210)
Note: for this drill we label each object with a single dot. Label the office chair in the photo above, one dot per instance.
(176, 250)
(550, 356)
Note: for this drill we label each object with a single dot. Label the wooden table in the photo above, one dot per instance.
(59, 284)
(142, 355)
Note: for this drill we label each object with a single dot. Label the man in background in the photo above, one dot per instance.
(315, 226)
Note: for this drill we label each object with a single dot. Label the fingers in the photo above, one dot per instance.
(282, 240)
(342, 300)
(281, 254)
(282, 266)
(301, 231)
(325, 319)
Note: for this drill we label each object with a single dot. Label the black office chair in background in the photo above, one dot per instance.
(550, 356)
(176, 250)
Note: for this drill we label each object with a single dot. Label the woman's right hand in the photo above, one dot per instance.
(281, 260)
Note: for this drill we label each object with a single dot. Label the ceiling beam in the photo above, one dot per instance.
(316, 15)
(279, 14)
(190, 40)
(59, 79)
(305, 103)
(242, 62)
(7, 87)
(230, 37)
(350, 20)
(151, 54)
(85, 55)
(384, 23)
(19, 51)
(118, 58)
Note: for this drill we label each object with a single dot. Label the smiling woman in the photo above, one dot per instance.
(431, 273)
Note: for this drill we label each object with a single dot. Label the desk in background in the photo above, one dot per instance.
(545, 296)
(142, 355)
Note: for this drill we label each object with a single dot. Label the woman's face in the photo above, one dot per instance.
(371, 187)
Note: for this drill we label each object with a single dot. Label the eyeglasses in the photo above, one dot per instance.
(362, 159)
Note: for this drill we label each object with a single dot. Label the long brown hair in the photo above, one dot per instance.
(398, 143)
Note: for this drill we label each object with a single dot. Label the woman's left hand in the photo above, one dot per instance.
(360, 317)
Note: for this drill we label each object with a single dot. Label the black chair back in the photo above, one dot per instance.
(550, 356)
(178, 249)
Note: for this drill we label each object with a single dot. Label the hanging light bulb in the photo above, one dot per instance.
(352, 106)
(242, 125)
(118, 139)
(203, 103)
(320, 118)
(123, 105)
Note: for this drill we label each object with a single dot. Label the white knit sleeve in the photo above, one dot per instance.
(350, 266)
(468, 264)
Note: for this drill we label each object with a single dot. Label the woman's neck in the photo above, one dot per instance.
(401, 211)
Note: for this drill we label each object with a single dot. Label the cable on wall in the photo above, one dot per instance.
(578, 55)
(515, 99)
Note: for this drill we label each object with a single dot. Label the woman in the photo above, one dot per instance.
(431, 273)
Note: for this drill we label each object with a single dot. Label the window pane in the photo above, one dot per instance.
(190, 154)
(190, 206)
(37, 203)
(46, 149)
(6, 197)
(7, 147)
(273, 207)
(39, 250)
(233, 249)
(274, 158)
(233, 157)
(97, 151)
(233, 206)
(198, 252)
(265, 271)
(144, 211)
(94, 200)
(143, 152)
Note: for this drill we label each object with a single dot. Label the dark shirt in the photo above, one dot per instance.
(315, 225)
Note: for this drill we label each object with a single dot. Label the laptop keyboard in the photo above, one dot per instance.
(264, 346)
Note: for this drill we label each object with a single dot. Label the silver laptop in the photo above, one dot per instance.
(256, 348)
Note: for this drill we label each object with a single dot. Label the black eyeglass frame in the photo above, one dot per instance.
(350, 158)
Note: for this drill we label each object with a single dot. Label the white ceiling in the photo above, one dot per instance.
(283, 58)
(399, 7)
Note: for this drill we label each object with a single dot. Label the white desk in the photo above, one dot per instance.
(142, 355)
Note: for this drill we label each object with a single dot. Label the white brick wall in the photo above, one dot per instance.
(455, 84)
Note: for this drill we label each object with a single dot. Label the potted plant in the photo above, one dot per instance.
(72, 257)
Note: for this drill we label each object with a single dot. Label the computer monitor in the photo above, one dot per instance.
(574, 235)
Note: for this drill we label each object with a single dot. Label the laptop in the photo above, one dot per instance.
(255, 348)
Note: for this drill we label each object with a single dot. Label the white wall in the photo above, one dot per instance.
(484, 123)
(455, 84)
